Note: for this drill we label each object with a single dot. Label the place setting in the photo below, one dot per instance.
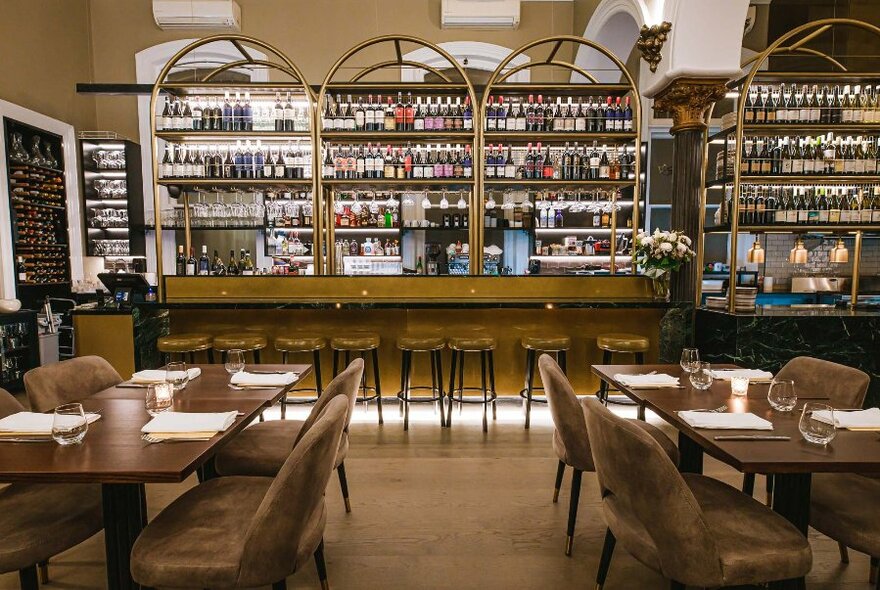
(242, 379)
(66, 425)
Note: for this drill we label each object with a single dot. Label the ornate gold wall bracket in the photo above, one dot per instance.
(651, 40)
(688, 99)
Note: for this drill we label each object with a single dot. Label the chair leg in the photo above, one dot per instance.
(343, 484)
(748, 486)
(605, 560)
(560, 472)
(451, 391)
(27, 577)
(844, 552)
(673, 585)
(530, 379)
(322, 567)
(573, 509)
(319, 387)
(280, 585)
(769, 488)
(485, 391)
(872, 573)
(43, 571)
(492, 384)
(377, 384)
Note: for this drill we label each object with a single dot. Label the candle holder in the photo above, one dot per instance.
(739, 386)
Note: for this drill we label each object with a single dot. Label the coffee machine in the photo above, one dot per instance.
(433, 251)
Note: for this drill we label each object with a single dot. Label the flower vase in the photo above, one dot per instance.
(660, 285)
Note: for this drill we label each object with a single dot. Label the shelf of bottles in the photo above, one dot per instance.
(560, 163)
(38, 203)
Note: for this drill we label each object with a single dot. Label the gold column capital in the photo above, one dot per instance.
(688, 99)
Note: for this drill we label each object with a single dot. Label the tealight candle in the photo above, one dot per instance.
(739, 385)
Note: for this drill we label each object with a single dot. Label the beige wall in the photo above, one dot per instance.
(44, 52)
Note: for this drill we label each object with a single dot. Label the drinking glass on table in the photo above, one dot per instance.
(160, 397)
(234, 361)
(69, 425)
(690, 359)
(820, 432)
(781, 395)
(176, 375)
(701, 378)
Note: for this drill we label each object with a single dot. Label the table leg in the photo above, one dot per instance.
(791, 500)
(691, 455)
(124, 518)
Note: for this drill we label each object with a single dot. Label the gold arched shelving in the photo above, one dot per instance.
(276, 61)
(497, 85)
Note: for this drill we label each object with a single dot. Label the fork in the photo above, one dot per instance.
(718, 410)
(153, 440)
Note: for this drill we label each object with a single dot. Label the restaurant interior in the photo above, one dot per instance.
(440, 294)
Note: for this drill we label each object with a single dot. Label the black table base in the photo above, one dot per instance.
(125, 516)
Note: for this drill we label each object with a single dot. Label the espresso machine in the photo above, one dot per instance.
(433, 251)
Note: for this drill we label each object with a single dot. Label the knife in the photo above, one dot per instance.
(752, 437)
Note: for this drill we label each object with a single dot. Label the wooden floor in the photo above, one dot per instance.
(457, 509)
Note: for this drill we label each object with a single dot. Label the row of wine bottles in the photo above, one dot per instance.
(358, 162)
(204, 266)
(293, 162)
(403, 115)
(568, 163)
(594, 116)
(809, 155)
(859, 205)
(215, 114)
(810, 104)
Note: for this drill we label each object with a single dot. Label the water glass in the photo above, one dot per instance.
(690, 359)
(701, 378)
(781, 395)
(160, 397)
(816, 431)
(69, 425)
(234, 361)
(175, 373)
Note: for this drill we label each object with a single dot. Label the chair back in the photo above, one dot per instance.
(8, 404)
(294, 505)
(346, 384)
(568, 418)
(71, 380)
(845, 386)
(645, 497)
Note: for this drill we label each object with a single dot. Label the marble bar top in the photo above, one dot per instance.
(780, 311)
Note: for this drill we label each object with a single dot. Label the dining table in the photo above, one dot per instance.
(791, 462)
(114, 454)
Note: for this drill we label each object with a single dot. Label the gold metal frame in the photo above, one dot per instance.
(501, 74)
(285, 65)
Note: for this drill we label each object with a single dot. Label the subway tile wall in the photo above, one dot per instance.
(776, 265)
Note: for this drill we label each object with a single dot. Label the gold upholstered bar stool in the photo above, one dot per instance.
(186, 344)
(301, 343)
(432, 344)
(485, 346)
(620, 342)
(360, 343)
(534, 345)
(252, 342)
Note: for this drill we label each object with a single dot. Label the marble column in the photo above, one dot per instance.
(688, 100)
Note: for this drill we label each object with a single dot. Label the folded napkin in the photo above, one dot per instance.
(647, 381)
(725, 421)
(867, 419)
(754, 375)
(245, 379)
(33, 423)
(158, 375)
(200, 422)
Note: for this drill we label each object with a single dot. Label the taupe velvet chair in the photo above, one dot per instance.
(692, 529)
(39, 521)
(71, 380)
(242, 532)
(261, 449)
(570, 436)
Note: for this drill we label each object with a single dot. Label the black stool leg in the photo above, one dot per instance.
(491, 358)
(363, 375)
(405, 378)
(438, 361)
(211, 356)
(319, 388)
(560, 472)
(485, 391)
(605, 560)
(27, 577)
(451, 388)
(284, 356)
(561, 358)
(335, 362)
(43, 571)
(400, 399)
(377, 384)
(461, 358)
(343, 484)
(433, 380)
(640, 358)
(192, 357)
(530, 378)
(573, 508)
(748, 487)
(257, 356)
(603, 385)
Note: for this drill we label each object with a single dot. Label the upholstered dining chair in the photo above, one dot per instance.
(570, 436)
(52, 385)
(39, 521)
(242, 532)
(261, 449)
(692, 529)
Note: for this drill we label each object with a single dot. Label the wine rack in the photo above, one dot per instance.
(19, 347)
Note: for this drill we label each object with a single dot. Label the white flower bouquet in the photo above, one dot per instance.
(662, 252)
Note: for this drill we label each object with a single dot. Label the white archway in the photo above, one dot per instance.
(479, 56)
(614, 25)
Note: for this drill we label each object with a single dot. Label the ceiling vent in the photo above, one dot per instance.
(479, 14)
(216, 15)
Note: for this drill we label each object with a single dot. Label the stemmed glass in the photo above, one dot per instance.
(175, 373)
(690, 359)
(781, 395)
(816, 431)
(234, 361)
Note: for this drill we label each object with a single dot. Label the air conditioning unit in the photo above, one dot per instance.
(479, 14)
(222, 15)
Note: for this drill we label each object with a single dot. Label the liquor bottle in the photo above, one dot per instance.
(289, 114)
(627, 116)
(204, 267)
(191, 263)
(22, 270)
(180, 263)
(467, 115)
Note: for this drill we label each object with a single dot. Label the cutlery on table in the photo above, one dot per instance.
(752, 437)
(253, 387)
(718, 410)
(268, 372)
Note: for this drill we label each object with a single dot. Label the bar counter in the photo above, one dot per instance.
(507, 308)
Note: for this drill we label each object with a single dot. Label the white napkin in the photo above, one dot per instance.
(245, 379)
(647, 381)
(725, 421)
(33, 422)
(754, 375)
(869, 418)
(158, 375)
(190, 422)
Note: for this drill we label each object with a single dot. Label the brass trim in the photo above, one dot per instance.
(386, 64)
(688, 99)
(857, 264)
(245, 62)
(556, 62)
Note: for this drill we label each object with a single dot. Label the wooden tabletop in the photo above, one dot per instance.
(848, 452)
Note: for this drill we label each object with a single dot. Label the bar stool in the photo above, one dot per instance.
(299, 343)
(186, 343)
(536, 344)
(431, 344)
(361, 343)
(249, 342)
(620, 342)
(474, 343)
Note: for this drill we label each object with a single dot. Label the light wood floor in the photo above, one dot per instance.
(458, 509)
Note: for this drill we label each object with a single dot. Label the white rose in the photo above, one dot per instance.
(647, 241)
(682, 248)
(673, 237)
(686, 240)
(666, 247)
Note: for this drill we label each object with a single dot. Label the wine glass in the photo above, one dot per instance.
(690, 359)
(701, 377)
(234, 361)
(69, 424)
(176, 375)
(781, 395)
(159, 398)
(815, 428)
